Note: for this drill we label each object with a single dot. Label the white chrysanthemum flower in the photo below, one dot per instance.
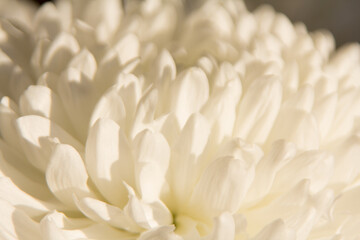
(162, 119)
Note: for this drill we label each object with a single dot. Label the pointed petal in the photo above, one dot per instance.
(66, 174)
(15, 224)
(8, 116)
(296, 126)
(22, 173)
(109, 161)
(38, 136)
(275, 231)
(185, 163)
(222, 186)
(42, 101)
(224, 228)
(189, 92)
(60, 52)
(147, 215)
(100, 211)
(161, 233)
(152, 155)
(85, 62)
(79, 96)
(258, 109)
(21, 200)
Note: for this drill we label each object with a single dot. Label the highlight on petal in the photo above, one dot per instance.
(109, 160)
(38, 136)
(66, 174)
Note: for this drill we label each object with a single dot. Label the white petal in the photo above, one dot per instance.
(42, 101)
(22, 173)
(147, 215)
(53, 229)
(104, 16)
(161, 233)
(224, 228)
(222, 186)
(85, 62)
(280, 153)
(21, 200)
(314, 165)
(276, 231)
(110, 106)
(109, 161)
(125, 50)
(60, 52)
(220, 109)
(185, 163)
(15, 224)
(348, 106)
(165, 65)
(189, 92)
(145, 111)
(78, 95)
(102, 212)
(38, 136)
(324, 112)
(296, 126)
(259, 109)
(8, 115)
(66, 174)
(303, 99)
(50, 231)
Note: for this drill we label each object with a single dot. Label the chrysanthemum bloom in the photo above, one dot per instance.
(162, 119)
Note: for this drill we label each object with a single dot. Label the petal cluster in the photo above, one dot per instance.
(175, 120)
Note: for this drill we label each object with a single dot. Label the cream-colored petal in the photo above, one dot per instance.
(258, 109)
(102, 212)
(276, 230)
(79, 96)
(109, 160)
(147, 215)
(85, 62)
(224, 228)
(185, 163)
(38, 136)
(296, 126)
(11, 193)
(42, 101)
(66, 175)
(8, 115)
(22, 173)
(15, 224)
(222, 186)
(316, 166)
(189, 92)
(161, 233)
(59, 53)
(152, 156)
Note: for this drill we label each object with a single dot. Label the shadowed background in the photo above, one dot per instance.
(341, 17)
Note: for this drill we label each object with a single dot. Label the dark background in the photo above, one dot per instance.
(341, 17)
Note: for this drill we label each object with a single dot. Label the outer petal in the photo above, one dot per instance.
(276, 231)
(224, 228)
(38, 137)
(109, 160)
(42, 101)
(66, 174)
(189, 92)
(161, 233)
(222, 186)
(152, 154)
(102, 212)
(258, 109)
(15, 224)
